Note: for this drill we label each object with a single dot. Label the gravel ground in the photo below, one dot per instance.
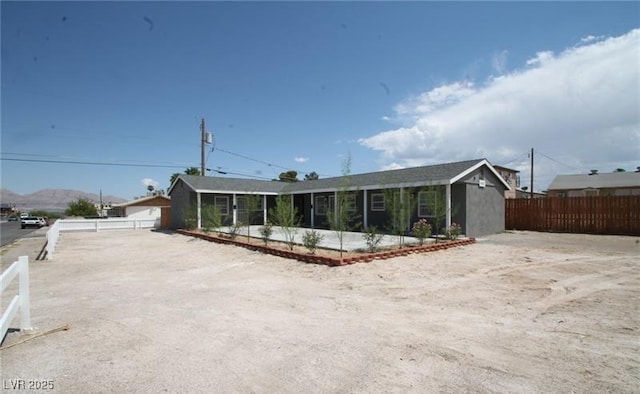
(161, 312)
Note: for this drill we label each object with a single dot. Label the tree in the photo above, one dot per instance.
(399, 207)
(252, 201)
(312, 176)
(342, 215)
(81, 207)
(211, 218)
(288, 176)
(188, 171)
(620, 170)
(285, 215)
(192, 171)
(438, 207)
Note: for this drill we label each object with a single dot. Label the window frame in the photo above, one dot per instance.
(219, 206)
(375, 205)
(321, 206)
(428, 194)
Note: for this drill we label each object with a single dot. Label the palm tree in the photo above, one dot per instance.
(192, 171)
(188, 171)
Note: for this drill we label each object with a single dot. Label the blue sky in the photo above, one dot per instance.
(294, 85)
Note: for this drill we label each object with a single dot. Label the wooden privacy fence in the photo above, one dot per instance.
(618, 215)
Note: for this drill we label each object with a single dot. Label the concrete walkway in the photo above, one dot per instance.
(351, 241)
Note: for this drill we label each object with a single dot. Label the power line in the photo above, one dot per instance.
(95, 163)
(264, 162)
(559, 162)
(252, 159)
(522, 156)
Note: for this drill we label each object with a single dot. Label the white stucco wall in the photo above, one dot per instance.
(143, 212)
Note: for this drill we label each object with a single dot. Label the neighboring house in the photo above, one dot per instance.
(103, 209)
(596, 184)
(472, 191)
(511, 177)
(6, 209)
(524, 193)
(143, 208)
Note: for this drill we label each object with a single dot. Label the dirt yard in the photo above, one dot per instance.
(156, 312)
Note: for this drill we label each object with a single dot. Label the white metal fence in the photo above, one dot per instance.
(21, 300)
(94, 225)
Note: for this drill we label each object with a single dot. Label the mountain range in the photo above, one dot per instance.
(51, 199)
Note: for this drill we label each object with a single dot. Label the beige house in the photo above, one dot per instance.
(510, 176)
(596, 184)
(143, 208)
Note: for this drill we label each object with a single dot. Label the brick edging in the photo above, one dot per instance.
(331, 261)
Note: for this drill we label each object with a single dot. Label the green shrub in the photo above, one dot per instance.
(234, 229)
(211, 218)
(311, 240)
(373, 238)
(266, 232)
(453, 232)
(421, 230)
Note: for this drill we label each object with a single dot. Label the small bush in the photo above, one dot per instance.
(421, 230)
(453, 232)
(266, 232)
(311, 240)
(373, 238)
(191, 218)
(234, 229)
(211, 218)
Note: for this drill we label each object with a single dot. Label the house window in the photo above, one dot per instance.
(377, 202)
(222, 203)
(321, 205)
(332, 203)
(350, 201)
(426, 201)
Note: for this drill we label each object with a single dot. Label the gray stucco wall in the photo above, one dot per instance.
(484, 213)
(181, 198)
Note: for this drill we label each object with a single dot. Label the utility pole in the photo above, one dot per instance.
(531, 185)
(203, 141)
(205, 138)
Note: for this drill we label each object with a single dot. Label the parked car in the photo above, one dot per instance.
(13, 218)
(31, 221)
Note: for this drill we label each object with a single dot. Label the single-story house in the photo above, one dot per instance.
(596, 184)
(469, 193)
(143, 208)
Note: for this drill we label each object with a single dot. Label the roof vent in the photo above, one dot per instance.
(594, 172)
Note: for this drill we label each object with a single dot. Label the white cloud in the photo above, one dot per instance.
(541, 59)
(589, 39)
(499, 62)
(581, 104)
(301, 159)
(150, 182)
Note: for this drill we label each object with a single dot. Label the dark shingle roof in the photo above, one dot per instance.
(212, 183)
(434, 174)
(438, 173)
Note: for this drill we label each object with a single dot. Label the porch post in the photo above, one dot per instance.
(365, 208)
(313, 216)
(335, 209)
(448, 202)
(264, 209)
(235, 208)
(292, 208)
(198, 210)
